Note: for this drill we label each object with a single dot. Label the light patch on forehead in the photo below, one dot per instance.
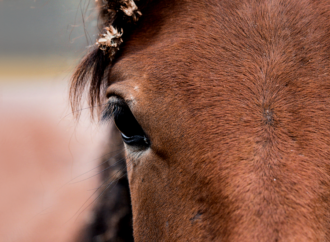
(132, 100)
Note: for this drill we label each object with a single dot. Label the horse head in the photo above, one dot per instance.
(223, 107)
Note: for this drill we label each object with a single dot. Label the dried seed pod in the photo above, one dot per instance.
(128, 7)
(110, 41)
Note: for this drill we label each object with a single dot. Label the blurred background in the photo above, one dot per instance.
(44, 37)
(48, 160)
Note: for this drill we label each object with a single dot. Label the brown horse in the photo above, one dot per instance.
(224, 110)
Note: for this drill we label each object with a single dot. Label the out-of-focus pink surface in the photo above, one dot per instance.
(47, 163)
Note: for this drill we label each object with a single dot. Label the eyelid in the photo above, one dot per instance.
(113, 104)
(121, 92)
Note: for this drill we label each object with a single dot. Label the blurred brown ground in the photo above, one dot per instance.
(47, 160)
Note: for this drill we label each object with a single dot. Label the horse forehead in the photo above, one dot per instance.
(194, 38)
(165, 40)
(189, 44)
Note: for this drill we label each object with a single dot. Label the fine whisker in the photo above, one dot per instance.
(111, 166)
(100, 194)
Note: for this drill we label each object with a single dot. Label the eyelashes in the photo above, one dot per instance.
(112, 110)
(131, 131)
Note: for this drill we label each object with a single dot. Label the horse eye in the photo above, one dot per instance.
(130, 129)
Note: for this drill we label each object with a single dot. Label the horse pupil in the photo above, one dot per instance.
(127, 124)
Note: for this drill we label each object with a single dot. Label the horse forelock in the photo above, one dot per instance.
(116, 16)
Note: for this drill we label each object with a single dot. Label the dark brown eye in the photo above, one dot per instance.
(130, 129)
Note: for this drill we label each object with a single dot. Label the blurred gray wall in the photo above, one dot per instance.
(46, 27)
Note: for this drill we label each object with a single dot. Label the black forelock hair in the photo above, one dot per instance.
(92, 72)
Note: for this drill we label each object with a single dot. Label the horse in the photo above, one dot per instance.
(223, 108)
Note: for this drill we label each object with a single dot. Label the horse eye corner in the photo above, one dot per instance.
(146, 140)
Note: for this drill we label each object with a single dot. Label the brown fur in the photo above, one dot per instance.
(234, 96)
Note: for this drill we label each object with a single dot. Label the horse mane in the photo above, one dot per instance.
(92, 72)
